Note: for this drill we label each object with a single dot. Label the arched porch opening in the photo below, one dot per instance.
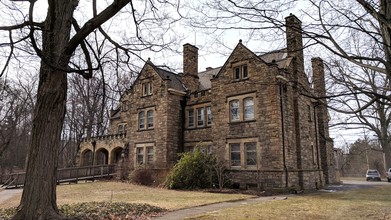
(86, 158)
(102, 156)
(116, 155)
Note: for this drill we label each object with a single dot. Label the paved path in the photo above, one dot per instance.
(183, 213)
(9, 193)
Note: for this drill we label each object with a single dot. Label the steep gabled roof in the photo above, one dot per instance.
(175, 79)
(206, 76)
(280, 57)
(239, 45)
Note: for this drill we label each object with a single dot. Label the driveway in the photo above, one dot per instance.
(356, 184)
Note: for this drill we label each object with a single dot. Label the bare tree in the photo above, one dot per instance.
(62, 41)
(17, 102)
(356, 31)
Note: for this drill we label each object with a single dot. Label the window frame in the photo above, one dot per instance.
(244, 153)
(123, 130)
(245, 118)
(240, 72)
(208, 115)
(241, 99)
(147, 89)
(141, 120)
(150, 119)
(199, 116)
(237, 117)
(236, 152)
(144, 154)
(146, 122)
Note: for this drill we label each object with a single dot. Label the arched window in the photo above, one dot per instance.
(234, 110)
(141, 119)
(248, 105)
(150, 118)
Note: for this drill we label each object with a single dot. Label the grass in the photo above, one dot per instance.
(129, 193)
(368, 203)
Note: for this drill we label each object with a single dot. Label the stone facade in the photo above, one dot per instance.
(257, 113)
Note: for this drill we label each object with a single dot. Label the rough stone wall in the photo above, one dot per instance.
(325, 143)
(156, 136)
(190, 67)
(193, 136)
(266, 126)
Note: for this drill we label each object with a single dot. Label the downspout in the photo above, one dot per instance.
(283, 136)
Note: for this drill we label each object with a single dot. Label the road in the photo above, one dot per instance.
(356, 184)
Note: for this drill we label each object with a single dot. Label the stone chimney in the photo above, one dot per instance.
(325, 143)
(190, 67)
(295, 40)
(318, 77)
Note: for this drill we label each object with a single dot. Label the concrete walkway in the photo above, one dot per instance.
(9, 193)
(190, 212)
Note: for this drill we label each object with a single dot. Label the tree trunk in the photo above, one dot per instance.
(39, 194)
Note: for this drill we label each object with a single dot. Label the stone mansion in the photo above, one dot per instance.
(257, 113)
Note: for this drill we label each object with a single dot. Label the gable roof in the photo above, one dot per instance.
(239, 45)
(280, 57)
(175, 79)
(206, 76)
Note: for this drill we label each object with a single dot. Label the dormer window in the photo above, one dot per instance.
(147, 88)
(240, 72)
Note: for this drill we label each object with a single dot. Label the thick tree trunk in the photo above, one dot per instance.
(39, 194)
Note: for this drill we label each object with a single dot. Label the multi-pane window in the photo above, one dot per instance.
(248, 106)
(190, 118)
(140, 155)
(121, 128)
(150, 155)
(150, 118)
(240, 72)
(144, 154)
(251, 153)
(141, 118)
(200, 117)
(234, 110)
(241, 108)
(235, 154)
(208, 116)
(146, 119)
(147, 88)
(243, 153)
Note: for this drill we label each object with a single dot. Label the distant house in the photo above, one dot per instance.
(257, 113)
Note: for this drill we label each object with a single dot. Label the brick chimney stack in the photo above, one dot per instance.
(190, 67)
